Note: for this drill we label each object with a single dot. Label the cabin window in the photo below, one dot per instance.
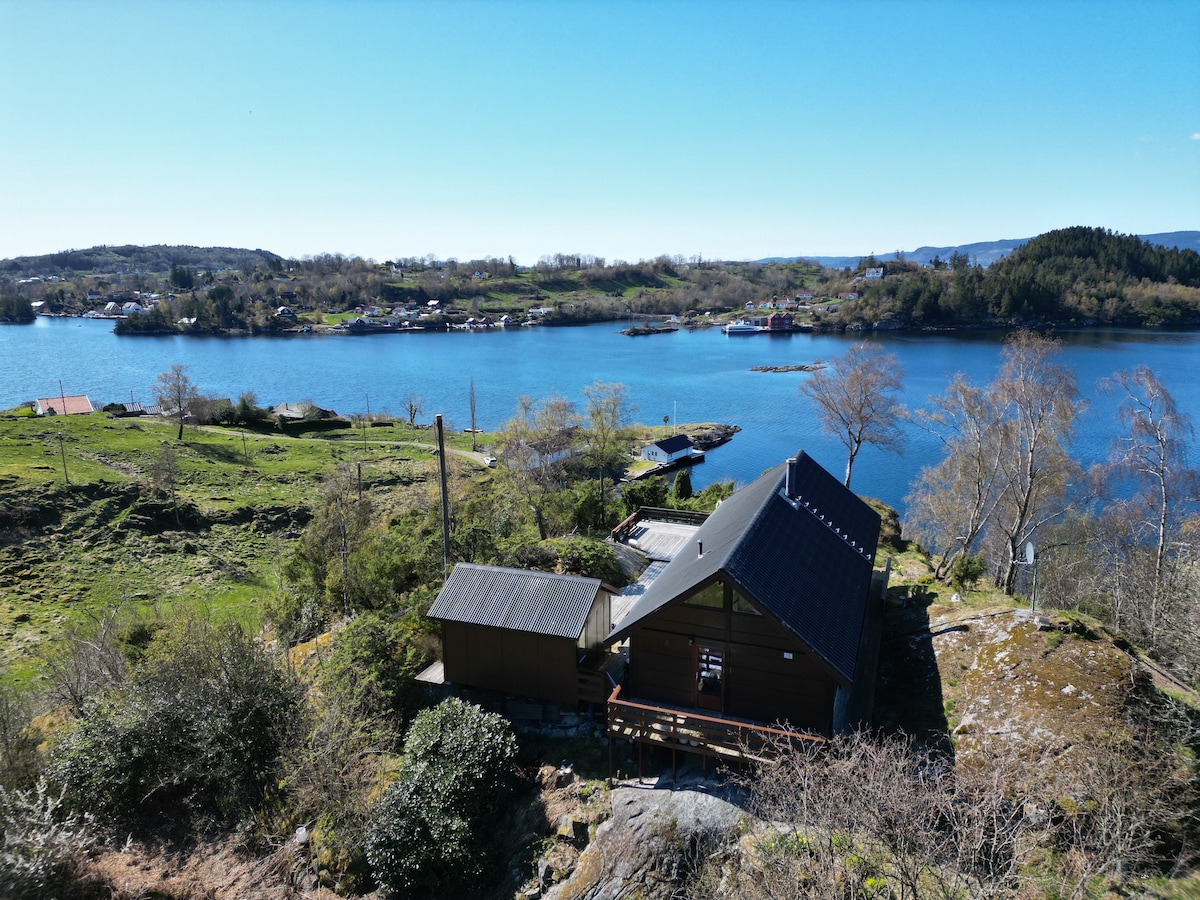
(712, 597)
(742, 605)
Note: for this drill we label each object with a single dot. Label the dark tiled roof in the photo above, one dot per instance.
(674, 444)
(808, 566)
(535, 602)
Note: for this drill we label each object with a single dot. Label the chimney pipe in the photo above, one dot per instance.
(699, 549)
(793, 474)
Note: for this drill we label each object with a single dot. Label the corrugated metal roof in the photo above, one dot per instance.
(807, 566)
(535, 602)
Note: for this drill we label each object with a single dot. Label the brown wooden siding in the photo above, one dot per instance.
(599, 622)
(760, 683)
(512, 662)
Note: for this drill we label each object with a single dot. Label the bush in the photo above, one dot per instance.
(373, 668)
(198, 730)
(592, 559)
(650, 492)
(41, 848)
(967, 570)
(429, 828)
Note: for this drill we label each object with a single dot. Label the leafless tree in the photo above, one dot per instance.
(953, 501)
(85, 660)
(536, 445)
(414, 405)
(1040, 401)
(471, 399)
(856, 398)
(608, 414)
(1152, 453)
(176, 394)
(164, 474)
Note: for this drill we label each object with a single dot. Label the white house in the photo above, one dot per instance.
(669, 449)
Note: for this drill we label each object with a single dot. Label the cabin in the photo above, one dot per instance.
(668, 450)
(520, 632)
(768, 616)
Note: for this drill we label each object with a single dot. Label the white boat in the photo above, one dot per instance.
(740, 328)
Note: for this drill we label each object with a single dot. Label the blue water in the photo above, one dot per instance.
(689, 375)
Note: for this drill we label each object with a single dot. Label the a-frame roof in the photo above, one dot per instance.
(534, 602)
(801, 547)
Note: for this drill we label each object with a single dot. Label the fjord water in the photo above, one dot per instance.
(688, 376)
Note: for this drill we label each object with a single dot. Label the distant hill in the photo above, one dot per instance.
(131, 260)
(985, 252)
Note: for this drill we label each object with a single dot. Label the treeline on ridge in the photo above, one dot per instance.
(1074, 276)
(1077, 276)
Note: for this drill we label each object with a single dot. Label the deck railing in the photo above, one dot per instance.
(659, 514)
(693, 732)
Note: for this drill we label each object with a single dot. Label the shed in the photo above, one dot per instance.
(520, 632)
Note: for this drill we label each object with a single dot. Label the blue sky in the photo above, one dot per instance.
(620, 129)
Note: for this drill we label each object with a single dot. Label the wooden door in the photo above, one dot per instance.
(709, 666)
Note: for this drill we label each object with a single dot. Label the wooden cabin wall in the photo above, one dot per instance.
(760, 683)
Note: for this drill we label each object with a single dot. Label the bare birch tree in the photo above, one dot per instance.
(176, 394)
(953, 501)
(856, 398)
(535, 446)
(1152, 574)
(1040, 400)
(608, 416)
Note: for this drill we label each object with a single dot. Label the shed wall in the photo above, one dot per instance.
(513, 662)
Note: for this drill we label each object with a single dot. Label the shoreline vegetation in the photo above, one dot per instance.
(1066, 279)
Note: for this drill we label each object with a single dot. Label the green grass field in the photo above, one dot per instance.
(75, 544)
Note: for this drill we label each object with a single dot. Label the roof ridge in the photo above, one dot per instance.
(798, 501)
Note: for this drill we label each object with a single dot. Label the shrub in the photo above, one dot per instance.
(373, 668)
(198, 730)
(428, 828)
(592, 559)
(41, 848)
(967, 570)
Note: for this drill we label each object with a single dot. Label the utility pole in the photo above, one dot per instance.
(62, 451)
(441, 448)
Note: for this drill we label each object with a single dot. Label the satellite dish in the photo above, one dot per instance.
(1029, 555)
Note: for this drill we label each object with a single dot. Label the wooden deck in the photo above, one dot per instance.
(689, 731)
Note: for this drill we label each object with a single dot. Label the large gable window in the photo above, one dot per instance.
(711, 597)
(742, 605)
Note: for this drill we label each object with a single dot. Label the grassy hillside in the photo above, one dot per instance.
(112, 535)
